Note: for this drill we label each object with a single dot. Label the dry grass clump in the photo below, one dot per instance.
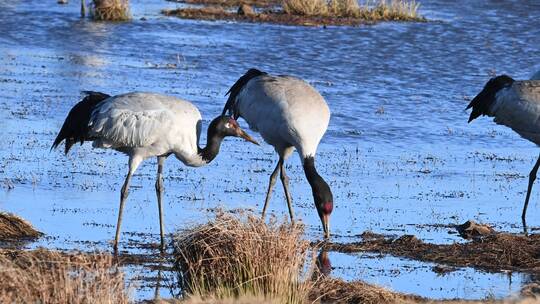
(231, 258)
(396, 10)
(43, 276)
(111, 10)
(305, 7)
(402, 10)
(12, 227)
(339, 291)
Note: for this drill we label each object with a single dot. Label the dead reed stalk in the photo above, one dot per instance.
(43, 276)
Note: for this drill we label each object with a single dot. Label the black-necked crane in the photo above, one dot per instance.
(288, 113)
(144, 125)
(515, 104)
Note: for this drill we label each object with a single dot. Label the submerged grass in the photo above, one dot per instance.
(241, 258)
(111, 10)
(12, 227)
(43, 276)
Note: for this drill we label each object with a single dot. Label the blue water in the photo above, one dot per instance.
(399, 154)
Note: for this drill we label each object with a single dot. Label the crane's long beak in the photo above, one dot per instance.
(326, 225)
(241, 133)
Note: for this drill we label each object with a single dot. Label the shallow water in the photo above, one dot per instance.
(403, 275)
(399, 154)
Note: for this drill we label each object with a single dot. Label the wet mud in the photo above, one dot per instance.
(232, 3)
(218, 13)
(496, 252)
(215, 12)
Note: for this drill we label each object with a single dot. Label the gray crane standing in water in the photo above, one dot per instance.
(144, 125)
(515, 104)
(288, 113)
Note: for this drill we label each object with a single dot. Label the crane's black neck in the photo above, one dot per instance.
(321, 190)
(213, 142)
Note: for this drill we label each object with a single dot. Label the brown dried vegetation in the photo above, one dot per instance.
(218, 13)
(233, 3)
(43, 276)
(12, 227)
(338, 291)
(306, 12)
(233, 258)
(111, 10)
(500, 251)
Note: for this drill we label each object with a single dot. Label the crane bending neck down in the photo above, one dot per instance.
(289, 114)
(322, 195)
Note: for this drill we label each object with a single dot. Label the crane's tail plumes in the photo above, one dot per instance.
(236, 88)
(482, 103)
(75, 127)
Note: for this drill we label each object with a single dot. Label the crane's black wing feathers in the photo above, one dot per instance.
(236, 88)
(75, 127)
(484, 100)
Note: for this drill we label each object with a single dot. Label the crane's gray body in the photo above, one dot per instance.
(518, 107)
(286, 111)
(145, 125)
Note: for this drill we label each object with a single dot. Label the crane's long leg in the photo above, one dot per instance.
(159, 193)
(285, 182)
(83, 8)
(532, 178)
(270, 187)
(133, 164)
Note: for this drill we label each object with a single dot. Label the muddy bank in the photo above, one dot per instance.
(325, 291)
(14, 228)
(497, 252)
(231, 3)
(281, 17)
(338, 291)
(217, 13)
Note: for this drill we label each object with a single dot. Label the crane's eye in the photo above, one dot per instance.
(228, 125)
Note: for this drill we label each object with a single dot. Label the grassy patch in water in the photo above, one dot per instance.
(234, 258)
(241, 258)
(309, 12)
(387, 10)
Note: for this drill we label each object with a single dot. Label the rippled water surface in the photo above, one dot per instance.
(399, 154)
